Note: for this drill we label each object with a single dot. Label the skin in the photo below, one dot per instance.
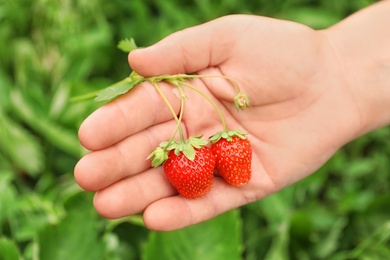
(311, 92)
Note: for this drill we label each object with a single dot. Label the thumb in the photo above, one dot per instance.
(186, 51)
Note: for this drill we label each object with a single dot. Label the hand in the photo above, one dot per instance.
(301, 113)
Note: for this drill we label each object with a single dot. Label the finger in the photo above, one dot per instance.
(163, 209)
(177, 212)
(189, 50)
(102, 168)
(127, 115)
(131, 195)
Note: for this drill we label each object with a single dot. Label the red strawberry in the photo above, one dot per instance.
(233, 155)
(191, 178)
(189, 166)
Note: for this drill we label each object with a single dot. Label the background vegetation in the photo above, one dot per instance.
(51, 50)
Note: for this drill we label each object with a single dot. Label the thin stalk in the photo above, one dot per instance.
(178, 120)
(178, 127)
(233, 82)
(211, 102)
(186, 76)
(84, 96)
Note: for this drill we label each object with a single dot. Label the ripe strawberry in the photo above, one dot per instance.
(191, 178)
(233, 155)
(189, 166)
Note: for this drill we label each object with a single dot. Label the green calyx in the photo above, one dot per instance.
(241, 101)
(160, 154)
(188, 147)
(228, 135)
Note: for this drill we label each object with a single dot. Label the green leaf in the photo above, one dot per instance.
(133, 219)
(7, 196)
(277, 207)
(8, 249)
(59, 100)
(373, 246)
(76, 238)
(331, 240)
(83, 97)
(219, 238)
(115, 90)
(127, 45)
(280, 243)
(74, 235)
(34, 212)
(276, 210)
(54, 133)
(5, 89)
(21, 147)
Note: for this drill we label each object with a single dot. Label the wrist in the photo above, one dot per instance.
(361, 44)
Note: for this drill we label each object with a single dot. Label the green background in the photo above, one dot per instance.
(52, 50)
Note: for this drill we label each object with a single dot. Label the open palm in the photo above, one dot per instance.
(301, 113)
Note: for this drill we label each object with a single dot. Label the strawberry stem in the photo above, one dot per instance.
(178, 120)
(85, 96)
(233, 82)
(178, 126)
(211, 102)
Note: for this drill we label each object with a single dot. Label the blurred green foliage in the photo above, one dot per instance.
(51, 50)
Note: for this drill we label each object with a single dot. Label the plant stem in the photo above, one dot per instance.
(233, 82)
(178, 120)
(84, 96)
(211, 102)
(178, 127)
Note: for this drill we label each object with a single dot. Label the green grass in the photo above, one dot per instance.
(53, 50)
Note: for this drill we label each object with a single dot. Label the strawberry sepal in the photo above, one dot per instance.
(228, 135)
(241, 101)
(160, 154)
